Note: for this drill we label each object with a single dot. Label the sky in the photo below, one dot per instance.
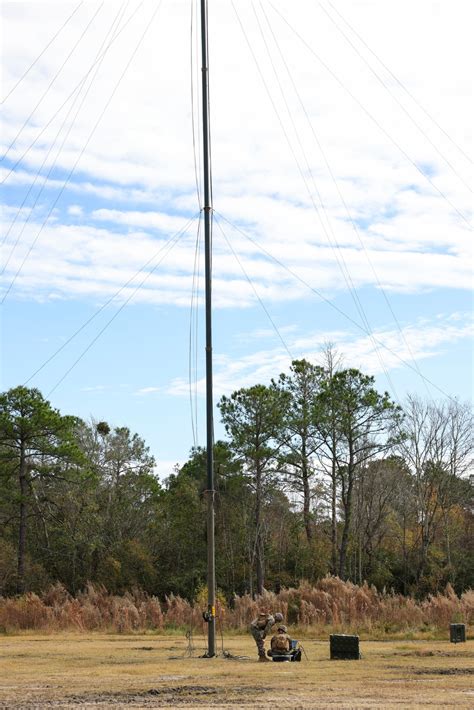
(342, 196)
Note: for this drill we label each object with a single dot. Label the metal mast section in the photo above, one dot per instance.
(211, 573)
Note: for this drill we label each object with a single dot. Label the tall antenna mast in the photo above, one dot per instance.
(211, 567)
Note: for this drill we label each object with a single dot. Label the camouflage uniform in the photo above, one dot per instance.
(260, 627)
(280, 639)
(281, 645)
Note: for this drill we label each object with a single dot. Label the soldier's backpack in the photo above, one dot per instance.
(280, 643)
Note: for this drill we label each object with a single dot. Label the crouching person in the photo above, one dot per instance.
(282, 647)
(260, 627)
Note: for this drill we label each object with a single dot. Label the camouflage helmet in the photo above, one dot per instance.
(282, 628)
(278, 617)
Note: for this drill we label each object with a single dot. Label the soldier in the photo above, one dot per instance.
(280, 643)
(282, 647)
(260, 627)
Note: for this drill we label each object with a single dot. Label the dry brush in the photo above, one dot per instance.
(329, 605)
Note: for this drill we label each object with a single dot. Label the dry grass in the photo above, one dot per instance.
(140, 671)
(330, 605)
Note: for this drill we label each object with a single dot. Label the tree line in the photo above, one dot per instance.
(320, 473)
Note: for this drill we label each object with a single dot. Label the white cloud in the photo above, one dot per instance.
(142, 153)
(148, 220)
(386, 350)
(165, 467)
(75, 210)
(89, 261)
(149, 390)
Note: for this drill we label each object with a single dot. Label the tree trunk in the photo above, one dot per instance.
(423, 551)
(448, 543)
(344, 542)
(20, 583)
(405, 556)
(258, 532)
(260, 565)
(306, 498)
(347, 520)
(333, 504)
(333, 519)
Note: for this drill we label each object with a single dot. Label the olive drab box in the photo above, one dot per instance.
(344, 646)
(457, 633)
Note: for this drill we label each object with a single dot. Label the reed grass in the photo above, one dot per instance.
(331, 605)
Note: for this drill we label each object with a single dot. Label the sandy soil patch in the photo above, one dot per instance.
(100, 671)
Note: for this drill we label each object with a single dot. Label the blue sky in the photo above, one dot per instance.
(329, 179)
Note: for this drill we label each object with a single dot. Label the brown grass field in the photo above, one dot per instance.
(142, 671)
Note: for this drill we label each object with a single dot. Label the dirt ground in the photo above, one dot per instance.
(101, 671)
